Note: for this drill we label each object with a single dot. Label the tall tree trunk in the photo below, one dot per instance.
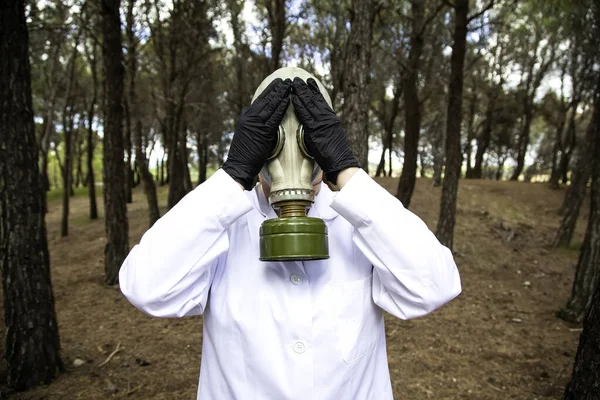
(483, 141)
(186, 168)
(92, 59)
(388, 121)
(175, 171)
(585, 381)
(500, 169)
(127, 143)
(79, 176)
(91, 182)
(355, 112)
(202, 157)
(438, 153)
(471, 131)
(576, 192)
(32, 350)
(162, 170)
(235, 10)
(586, 274)
(445, 226)
(556, 149)
(569, 146)
(115, 207)
(277, 24)
(381, 166)
(140, 155)
(523, 142)
(412, 107)
(67, 122)
(44, 148)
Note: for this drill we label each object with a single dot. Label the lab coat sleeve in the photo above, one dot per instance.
(169, 273)
(413, 273)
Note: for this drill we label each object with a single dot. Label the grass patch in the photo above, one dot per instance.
(56, 194)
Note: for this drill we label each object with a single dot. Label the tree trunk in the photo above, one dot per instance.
(576, 191)
(500, 169)
(186, 167)
(412, 107)
(355, 112)
(202, 157)
(438, 154)
(115, 207)
(128, 172)
(175, 171)
(162, 170)
(585, 381)
(79, 177)
(556, 149)
(140, 155)
(277, 24)
(90, 161)
(471, 131)
(381, 166)
(32, 350)
(483, 141)
(445, 226)
(67, 122)
(586, 274)
(237, 24)
(569, 147)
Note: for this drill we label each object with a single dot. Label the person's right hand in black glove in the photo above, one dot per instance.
(256, 135)
(324, 136)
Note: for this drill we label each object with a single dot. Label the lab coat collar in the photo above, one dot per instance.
(320, 209)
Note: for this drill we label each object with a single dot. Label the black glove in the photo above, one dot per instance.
(256, 135)
(324, 136)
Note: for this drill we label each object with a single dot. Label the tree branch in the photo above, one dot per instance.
(483, 11)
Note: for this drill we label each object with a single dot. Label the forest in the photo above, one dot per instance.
(481, 116)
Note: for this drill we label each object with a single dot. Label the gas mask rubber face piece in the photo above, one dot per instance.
(291, 173)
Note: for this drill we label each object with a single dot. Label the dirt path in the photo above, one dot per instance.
(498, 340)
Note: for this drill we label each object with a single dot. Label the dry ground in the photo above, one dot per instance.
(498, 340)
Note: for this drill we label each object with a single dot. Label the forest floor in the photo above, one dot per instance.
(499, 339)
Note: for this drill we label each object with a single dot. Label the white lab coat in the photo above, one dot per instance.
(290, 330)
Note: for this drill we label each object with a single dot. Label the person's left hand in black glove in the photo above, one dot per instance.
(324, 136)
(256, 135)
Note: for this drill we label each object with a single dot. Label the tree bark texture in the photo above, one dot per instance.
(446, 221)
(355, 111)
(387, 117)
(588, 266)
(576, 192)
(585, 381)
(115, 205)
(127, 144)
(277, 24)
(471, 130)
(32, 341)
(412, 107)
(92, 57)
(202, 156)
(438, 152)
(483, 142)
(140, 155)
(68, 122)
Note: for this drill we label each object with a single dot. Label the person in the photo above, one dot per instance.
(290, 330)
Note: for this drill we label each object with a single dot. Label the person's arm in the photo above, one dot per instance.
(169, 273)
(413, 272)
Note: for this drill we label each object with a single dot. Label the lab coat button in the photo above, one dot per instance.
(296, 280)
(299, 347)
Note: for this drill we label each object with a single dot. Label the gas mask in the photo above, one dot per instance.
(291, 173)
